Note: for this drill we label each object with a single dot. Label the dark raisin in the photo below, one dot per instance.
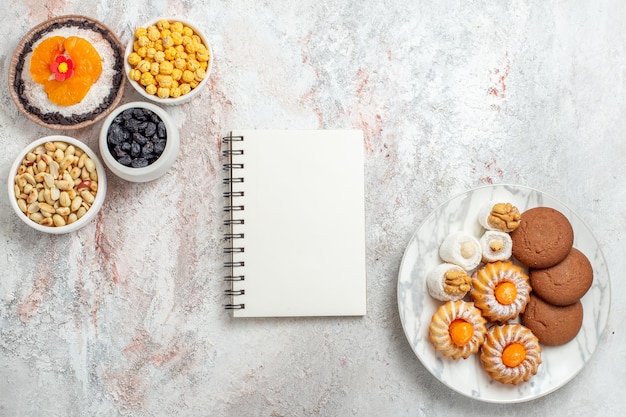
(150, 129)
(139, 163)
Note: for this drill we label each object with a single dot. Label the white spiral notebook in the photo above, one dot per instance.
(295, 243)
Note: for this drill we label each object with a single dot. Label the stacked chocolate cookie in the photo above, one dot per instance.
(559, 275)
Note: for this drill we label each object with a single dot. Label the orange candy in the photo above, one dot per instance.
(513, 354)
(87, 62)
(506, 293)
(461, 332)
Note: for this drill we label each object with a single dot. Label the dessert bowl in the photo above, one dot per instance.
(168, 60)
(139, 142)
(57, 184)
(67, 72)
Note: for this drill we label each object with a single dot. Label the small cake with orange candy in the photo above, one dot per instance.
(457, 329)
(500, 290)
(511, 353)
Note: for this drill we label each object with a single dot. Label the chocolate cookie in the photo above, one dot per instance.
(553, 325)
(543, 238)
(564, 283)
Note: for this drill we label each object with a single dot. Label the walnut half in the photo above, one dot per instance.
(456, 282)
(504, 217)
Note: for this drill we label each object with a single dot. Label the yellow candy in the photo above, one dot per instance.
(159, 56)
(187, 76)
(199, 74)
(164, 80)
(163, 92)
(163, 24)
(175, 92)
(134, 74)
(184, 88)
(143, 41)
(193, 65)
(166, 67)
(143, 66)
(176, 27)
(177, 38)
(142, 51)
(154, 68)
(134, 59)
(146, 79)
(153, 33)
(151, 89)
(177, 74)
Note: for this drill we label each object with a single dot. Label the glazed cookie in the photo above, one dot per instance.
(511, 353)
(564, 283)
(543, 238)
(500, 290)
(553, 325)
(457, 329)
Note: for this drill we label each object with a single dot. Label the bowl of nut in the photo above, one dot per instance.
(168, 61)
(139, 142)
(57, 184)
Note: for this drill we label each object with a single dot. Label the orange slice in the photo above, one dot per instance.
(87, 68)
(43, 55)
(86, 58)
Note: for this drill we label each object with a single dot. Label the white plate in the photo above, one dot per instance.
(560, 364)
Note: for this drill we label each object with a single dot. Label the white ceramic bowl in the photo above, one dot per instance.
(95, 206)
(169, 101)
(156, 169)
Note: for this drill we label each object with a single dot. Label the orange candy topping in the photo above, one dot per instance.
(513, 354)
(87, 68)
(506, 293)
(461, 332)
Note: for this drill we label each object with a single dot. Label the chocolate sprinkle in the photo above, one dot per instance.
(56, 117)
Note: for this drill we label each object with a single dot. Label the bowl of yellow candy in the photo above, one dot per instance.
(168, 60)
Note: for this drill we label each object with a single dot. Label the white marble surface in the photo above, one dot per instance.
(124, 317)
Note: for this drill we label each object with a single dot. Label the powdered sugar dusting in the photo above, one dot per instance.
(98, 92)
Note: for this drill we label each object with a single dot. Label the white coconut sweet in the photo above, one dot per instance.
(447, 282)
(462, 249)
(495, 246)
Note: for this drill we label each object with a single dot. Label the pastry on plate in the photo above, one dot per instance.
(511, 353)
(461, 249)
(495, 246)
(543, 239)
(564, 283)
(457, 329)
(553, 325)
(500, 290)
(447, 282)
(498, 215)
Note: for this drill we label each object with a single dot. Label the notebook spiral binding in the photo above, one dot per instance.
(234, 207)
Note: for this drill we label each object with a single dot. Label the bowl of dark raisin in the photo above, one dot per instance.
(139, 142)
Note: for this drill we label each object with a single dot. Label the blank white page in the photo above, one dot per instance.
(304, 230)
